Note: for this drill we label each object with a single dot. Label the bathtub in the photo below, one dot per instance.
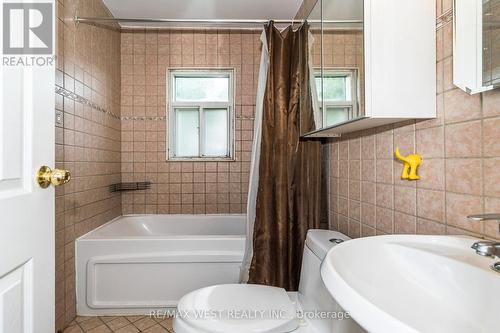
(139, 263)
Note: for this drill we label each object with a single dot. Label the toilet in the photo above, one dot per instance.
(249, 308)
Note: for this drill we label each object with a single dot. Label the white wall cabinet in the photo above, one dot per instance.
(476, 45)
(399, 38)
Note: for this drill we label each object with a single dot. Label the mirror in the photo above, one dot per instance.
(337, 62)
(315, 64)
(491, 42)
(476, 45)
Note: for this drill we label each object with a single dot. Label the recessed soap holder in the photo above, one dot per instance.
(496, 267)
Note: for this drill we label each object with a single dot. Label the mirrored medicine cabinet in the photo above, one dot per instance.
(476, 45)
(365, 73)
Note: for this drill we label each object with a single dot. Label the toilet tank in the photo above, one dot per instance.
(313, 295)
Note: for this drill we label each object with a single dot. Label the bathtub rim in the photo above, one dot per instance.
(176, 237)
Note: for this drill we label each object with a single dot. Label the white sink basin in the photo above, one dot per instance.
(407, 283)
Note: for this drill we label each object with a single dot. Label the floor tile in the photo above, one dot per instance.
(156, 329)
(106, 319)
(120, 324)
(100, 329)
(79, 319)
(144, 323)
(73, 329)
(91, 323)
(128, 329)
(134, 318)
(167, 323)
(117, 323)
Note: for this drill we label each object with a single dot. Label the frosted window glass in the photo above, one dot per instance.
(216, 132)
(202, 89)
(334, 88)
(336, 115)
(187, 132)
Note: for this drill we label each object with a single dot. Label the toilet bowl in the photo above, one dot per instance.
(248, 308)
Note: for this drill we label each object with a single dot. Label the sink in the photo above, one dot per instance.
(409, 283)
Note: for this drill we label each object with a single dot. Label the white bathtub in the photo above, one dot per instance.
(138, 263)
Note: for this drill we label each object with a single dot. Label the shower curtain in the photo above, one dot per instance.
(285, 185)
(254, 167)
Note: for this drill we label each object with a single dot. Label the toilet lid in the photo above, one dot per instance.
(242, 308)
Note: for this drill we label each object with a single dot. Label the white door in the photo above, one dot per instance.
(26, 210)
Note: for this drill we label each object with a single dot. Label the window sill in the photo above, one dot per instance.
(201, 159)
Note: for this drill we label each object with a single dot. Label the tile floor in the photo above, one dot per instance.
(126, 324)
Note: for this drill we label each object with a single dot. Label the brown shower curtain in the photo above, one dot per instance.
(289, 193)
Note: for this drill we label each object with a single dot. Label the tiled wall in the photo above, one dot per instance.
(183, 187)
(459, 174)
(87, 138)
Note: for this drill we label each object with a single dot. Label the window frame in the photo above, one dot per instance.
(173, 105)
(353, 104)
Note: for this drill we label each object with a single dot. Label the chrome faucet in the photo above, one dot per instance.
(486, 248)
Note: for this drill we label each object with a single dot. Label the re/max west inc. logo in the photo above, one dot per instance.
(28, 33)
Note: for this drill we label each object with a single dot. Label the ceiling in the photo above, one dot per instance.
(339, 10)
(203, 9)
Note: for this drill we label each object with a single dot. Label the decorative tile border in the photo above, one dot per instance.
(165, 118)
(143, 118)
(80, 99)
(444, 19)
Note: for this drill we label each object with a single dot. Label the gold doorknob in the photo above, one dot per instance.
(46, 176)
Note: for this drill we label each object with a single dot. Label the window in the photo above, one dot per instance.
(338, 95)
(201, 107)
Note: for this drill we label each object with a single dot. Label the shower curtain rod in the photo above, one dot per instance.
(201, 21)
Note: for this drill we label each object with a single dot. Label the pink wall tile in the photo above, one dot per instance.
(491, 103)
(368, 170)
(88, 142)
(151, 54)
(384, 171)
(464, 176)
(355, 149)
(459, 206)
(464, 139)
(430, 142)
(432, 174)
(491, 137)
(383, 144)
(427, 227)
(491, 205)
(385, 195)
(460, 106)
(368, 147)
(491, 177)
(384, 220)
(430, 204)
(368, 192)
(405, 200)
(368, 214)
(404, 224)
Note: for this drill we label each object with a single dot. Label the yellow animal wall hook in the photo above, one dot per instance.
(411, 163)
